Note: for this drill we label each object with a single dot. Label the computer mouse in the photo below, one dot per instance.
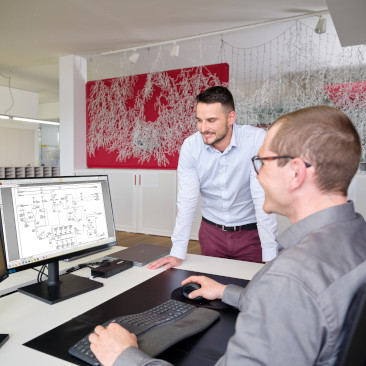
(188, 288)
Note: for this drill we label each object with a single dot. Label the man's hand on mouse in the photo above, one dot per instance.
(169, 262)
(210, 289)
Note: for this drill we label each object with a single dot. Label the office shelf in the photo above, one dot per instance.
(29, 172)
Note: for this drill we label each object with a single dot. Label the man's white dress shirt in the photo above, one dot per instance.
(230, 192)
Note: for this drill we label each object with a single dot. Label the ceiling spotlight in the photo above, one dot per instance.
(134, 57)
(321, 27)
(175, 50)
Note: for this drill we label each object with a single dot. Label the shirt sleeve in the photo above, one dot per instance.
(232, 295)
(188, 194)
(266, 223)
(135, 357)
(280, 323)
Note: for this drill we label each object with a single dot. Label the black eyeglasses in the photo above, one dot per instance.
(258, 161)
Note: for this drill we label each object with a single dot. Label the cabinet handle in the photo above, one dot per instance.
(140, 179)
(135, 179)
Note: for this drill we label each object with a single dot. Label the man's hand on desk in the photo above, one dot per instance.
(108, 343)
(210, 289)
(168, 262)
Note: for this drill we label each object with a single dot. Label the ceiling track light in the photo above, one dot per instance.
(321, 26)
(134, 57)
(220, 32)
(174, 52)
(32, 120)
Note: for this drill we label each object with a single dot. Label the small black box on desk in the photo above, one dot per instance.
(111, 268)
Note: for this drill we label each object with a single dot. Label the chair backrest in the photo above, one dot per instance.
(352, 351)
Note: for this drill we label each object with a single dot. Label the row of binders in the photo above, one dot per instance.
(29, 172)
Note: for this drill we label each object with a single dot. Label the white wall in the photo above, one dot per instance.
(49, 111)
(19, 145)
(73, 71)
(18, 103)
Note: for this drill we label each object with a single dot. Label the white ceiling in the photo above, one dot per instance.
(34, 34)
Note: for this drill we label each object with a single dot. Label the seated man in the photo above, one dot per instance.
(292, 311)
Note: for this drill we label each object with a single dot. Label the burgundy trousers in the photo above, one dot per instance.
(242, 245)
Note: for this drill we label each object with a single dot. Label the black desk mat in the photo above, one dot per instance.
(203, 349)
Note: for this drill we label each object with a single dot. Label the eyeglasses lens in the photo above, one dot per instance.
(257, 165)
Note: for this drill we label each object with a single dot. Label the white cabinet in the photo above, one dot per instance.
(357, 193)
(283, 223)
(123, 189)
(144, 201)
(156, 196)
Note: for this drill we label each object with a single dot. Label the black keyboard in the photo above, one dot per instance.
(163, 314)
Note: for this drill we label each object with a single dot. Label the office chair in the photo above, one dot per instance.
(352, 351)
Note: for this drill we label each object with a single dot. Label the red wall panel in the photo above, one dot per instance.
(140, 121)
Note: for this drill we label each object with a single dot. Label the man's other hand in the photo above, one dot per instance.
(108, 343)
(168, 262)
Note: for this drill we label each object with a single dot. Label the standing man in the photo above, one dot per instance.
(293, 310)
(215, 161)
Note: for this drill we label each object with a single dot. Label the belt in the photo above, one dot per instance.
(232, 228)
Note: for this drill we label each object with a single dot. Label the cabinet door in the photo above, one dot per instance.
(283, 223)
(144, 201)
(123, 190)
(123, 187)
(156, 201)
(357, 193)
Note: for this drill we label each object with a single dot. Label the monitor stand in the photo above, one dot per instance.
(3, 338)
(58, 288)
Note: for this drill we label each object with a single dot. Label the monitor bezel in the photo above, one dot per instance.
(65, 255)
(5, 274)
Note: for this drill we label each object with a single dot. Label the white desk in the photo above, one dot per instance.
(27, 277)
(25, 318)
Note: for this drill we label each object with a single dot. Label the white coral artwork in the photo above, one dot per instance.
(118, 113)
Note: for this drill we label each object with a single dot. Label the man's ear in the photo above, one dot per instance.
(231, 118)
(298, 173)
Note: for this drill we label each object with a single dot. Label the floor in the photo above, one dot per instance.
(126, 239)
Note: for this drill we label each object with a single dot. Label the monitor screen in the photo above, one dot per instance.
(44, 220)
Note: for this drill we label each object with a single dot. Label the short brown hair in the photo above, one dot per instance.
(326, 138)
(217, 94)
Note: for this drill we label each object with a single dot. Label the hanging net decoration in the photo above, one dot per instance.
(298, 68)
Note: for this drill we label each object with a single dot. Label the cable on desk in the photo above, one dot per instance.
(83, 265)
(40, 272)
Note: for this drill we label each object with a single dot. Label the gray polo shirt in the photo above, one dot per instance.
(292, 311)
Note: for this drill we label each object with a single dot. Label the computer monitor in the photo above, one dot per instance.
(44, 220)
(3, 275)
(3, 269)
